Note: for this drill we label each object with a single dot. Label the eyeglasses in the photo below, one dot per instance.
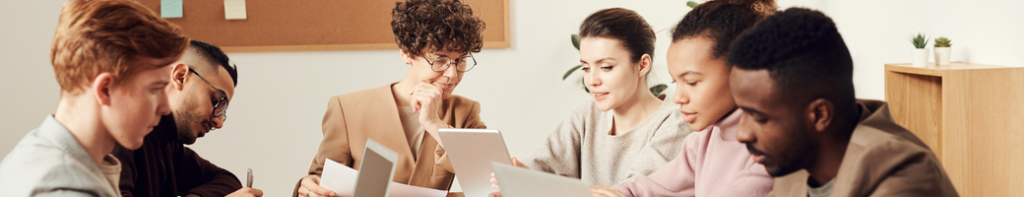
(221, 107)
(442, 63)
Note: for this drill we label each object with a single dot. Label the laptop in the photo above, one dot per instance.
(471, 152)
(521, 182)
(375, 170)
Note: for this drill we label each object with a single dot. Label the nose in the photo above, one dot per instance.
(592, 79)
(218, 121)
(451, 71)
(682, 96)
(163, 107)
(744, 133)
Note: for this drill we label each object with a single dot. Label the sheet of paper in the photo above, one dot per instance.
(171, 8)
(234, 10)
(340, 179)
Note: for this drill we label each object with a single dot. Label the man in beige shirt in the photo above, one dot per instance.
(793, 78)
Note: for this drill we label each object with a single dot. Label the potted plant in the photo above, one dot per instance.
(920, 53)
(942, 51)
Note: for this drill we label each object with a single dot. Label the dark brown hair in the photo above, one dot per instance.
(100, 36)
(433, 25)
(722, 21)
(624, 25)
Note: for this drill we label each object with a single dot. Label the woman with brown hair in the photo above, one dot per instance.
(712, 162)
(436, 38)
(625, 131)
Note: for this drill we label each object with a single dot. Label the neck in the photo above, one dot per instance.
(634, 111)
(80, 117)
(401, 91)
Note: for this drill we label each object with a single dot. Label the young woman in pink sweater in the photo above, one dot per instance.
(712, 162)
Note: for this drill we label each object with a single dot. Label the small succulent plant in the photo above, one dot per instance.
(919, 41)
(943, 42)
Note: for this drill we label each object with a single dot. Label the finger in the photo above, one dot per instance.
(515, 162)
(256, 192)
(606, 192)
(495, 194)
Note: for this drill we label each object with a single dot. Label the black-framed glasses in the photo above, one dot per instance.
(220, 107)
(442, 63)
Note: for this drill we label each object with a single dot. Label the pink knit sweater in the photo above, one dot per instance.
(711, 163)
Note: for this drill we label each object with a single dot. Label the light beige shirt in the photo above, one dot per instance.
(581, 146)
(413, 129)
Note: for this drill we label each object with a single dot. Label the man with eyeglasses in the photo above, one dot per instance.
(201, 87)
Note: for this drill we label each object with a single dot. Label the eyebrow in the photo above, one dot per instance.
(599, 60)
(161, 83)
(690, 72)
(222, 93)
(443, 55)
(752, 110)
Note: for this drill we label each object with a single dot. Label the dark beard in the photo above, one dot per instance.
(183, 119)
(797, 156)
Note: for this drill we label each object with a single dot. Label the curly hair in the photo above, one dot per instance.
(432, 25)
(803, 53)
(722, 21)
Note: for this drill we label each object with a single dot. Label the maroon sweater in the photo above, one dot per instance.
(163, 167)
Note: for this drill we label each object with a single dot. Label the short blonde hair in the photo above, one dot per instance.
(97, 36)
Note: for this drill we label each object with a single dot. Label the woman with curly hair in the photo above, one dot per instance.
(435, 38)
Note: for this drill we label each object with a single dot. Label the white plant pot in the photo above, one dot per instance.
(920, 58)
(942, 55)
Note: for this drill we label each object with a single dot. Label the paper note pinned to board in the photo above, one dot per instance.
(234, 9)
(340, 179)
(170, 8)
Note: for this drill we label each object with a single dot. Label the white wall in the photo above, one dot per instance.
(275, 116)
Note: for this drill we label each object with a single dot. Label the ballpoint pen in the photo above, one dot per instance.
(248, 178)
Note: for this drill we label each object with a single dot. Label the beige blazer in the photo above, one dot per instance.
(882, 159)
(372, 113)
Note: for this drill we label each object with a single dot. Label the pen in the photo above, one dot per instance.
(248, 178)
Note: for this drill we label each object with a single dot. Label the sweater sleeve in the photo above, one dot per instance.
(560, 153)
(198, 176)
(676, 178)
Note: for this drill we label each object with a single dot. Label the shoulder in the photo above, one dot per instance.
(364, 95)
(40, 167)
(870, 142)
(881, 158)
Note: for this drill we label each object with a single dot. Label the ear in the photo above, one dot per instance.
(819, 114)
(645, 65)
(101, 87)
(406, 57)
(179, 72)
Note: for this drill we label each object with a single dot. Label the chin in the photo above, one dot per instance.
(603, 106)
(131, 145)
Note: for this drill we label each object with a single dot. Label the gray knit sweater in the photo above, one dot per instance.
(581, 146)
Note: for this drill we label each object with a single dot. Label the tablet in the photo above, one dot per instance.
(375, 170)
(520, 182)
(471, 152)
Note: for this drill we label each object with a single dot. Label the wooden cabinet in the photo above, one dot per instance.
(971, 116)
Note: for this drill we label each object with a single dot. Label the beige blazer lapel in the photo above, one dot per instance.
(379, 120)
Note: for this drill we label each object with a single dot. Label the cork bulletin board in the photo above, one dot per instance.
(312, 25)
